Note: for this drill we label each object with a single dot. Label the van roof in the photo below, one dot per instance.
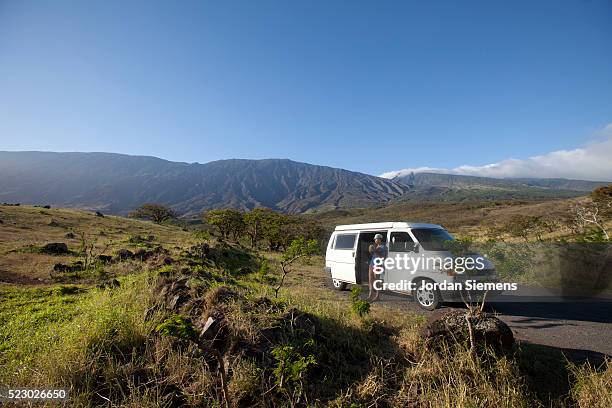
(385, 225)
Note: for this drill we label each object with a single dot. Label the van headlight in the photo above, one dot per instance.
(449, 272)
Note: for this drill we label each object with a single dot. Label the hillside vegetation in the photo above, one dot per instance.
(25, 229)
(191, 320)
(454, 181)
(477, 219)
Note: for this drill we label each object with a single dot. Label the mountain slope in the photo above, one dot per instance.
(118, 183)
(460, 181)
(452, 187)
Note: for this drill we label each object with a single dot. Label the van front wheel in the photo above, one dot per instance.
(339, 285)
(428, 299)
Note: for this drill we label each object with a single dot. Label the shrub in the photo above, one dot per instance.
(178, 326)
(359, 306)
(264, 269)
(291, 369)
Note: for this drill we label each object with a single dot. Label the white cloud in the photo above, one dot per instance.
(590, 162)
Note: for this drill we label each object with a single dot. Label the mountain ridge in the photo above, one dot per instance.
(117, 183)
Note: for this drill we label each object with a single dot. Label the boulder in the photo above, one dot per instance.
(303, 323)
(110, 284)
(55, 248)
(124, 254)
(450, 326)
(158, 256)
(174, 292)
(105, 259)
(141, 254)
(219, 295)
(60, 267)
(75, 266)
(210, 329)
(157, 253)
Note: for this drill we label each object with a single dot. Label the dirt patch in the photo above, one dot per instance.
(18, 279)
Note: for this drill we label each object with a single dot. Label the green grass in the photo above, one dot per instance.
(30, 318)
(49, 335)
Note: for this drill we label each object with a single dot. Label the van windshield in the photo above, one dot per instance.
(432, 239)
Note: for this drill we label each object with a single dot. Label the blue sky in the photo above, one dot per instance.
(368, 86)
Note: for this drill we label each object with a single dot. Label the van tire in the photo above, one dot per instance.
(428, 300)
(339, 285)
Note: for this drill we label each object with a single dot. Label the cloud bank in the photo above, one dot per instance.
(590, 162)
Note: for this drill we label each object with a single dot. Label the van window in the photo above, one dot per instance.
(345, 241)
(401, 242)
(432, 239)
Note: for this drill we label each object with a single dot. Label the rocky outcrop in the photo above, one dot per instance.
(450, 326)
(55, 248)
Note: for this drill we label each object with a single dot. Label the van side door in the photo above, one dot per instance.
(401, 248)
(341, 257)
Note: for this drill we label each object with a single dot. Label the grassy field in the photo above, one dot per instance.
(206, 329)
(25, 229)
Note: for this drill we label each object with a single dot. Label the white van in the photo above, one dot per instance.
(347, 260)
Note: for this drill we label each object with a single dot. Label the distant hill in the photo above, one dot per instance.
(117, 183)
(452, 187)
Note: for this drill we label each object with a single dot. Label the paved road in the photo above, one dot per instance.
(582, 328)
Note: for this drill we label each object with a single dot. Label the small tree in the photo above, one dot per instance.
(236, 223)
(219, 219)
(255, 221)
(299, 248)
(88, 250)
(228, 221)
(594, 212)
(277, 230)
(157, 213)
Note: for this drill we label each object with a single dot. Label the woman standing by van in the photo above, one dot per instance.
(377, 251)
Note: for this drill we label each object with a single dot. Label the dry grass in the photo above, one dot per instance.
(593, 388)
(26, 226)
(474, 219)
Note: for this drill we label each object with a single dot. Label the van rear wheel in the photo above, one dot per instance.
(427, 298)
(339, 285)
